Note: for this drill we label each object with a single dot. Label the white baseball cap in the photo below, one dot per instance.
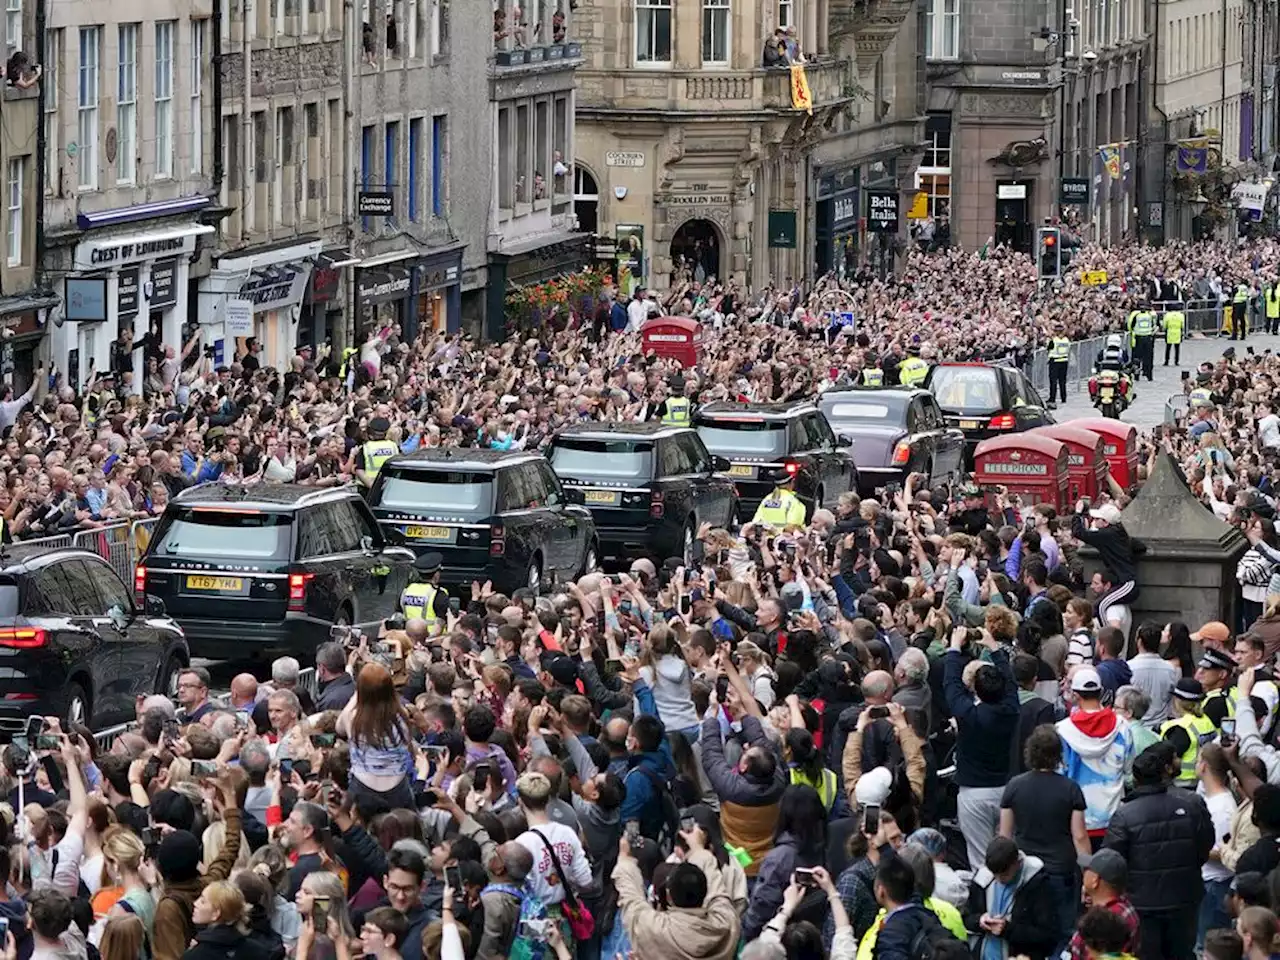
(1086, 680)
(1108, 512)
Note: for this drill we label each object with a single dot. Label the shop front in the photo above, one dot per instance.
(527, 264)
(322, 303)
(437, 290)
(384, 293)
(137, 281)
(257, 293)
(22, 326)
(836, 226)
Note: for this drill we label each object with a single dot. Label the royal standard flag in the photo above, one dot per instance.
(801, 98)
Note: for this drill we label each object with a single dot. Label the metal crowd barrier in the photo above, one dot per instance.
(105, 738)
(1176, 408)
(1080, 360)
(308, 681)
(120, 544)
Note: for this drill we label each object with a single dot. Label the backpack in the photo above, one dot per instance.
(531, 908)
(667, 827)
(931, 939)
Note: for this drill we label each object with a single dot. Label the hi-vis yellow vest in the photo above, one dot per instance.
(677, 414)
(782, 508)
(419, 600)
(1200, 730)
(376, 453)
(912, 371)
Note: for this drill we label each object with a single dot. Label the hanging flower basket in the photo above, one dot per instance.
(527, 306)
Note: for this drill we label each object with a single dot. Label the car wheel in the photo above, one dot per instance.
(168, 682)
(591, 559)
(77, 705)
(343, 619)
(533, 578)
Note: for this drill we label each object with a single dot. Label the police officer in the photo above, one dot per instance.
(1239, 310)
(1059, 355)
(1214, 670)
(872, 376)
(1173, 322)
(1272, 303)
(1142, 336)
(913, 369)
(782, 508)
(676, 410)
(374, 452)
(1112, 356)
(1189, 729)
(1201, 394)
(424, 598)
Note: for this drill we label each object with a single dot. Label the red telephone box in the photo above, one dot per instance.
(1029, 464)
(1086, 463)
(1119, 446)
(678, 337)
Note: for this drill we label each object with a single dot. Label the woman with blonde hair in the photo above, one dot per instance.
(221, 919)
(271, 863)
(377, 730)
(124, 938)
(127, 881)
(663, 667)
(332, 942)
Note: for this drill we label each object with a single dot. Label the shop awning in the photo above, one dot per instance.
(26, 302)
(336, 259)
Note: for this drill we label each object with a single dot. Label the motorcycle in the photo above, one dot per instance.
(1110, 392)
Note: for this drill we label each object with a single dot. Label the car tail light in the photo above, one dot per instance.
(23, 638)
(497, 545)
(791, 467)
(1002, 421)
(656, 508)
(140, 584)
(901, 452)
(298, 591)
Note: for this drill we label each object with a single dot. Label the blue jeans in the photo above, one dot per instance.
(1066, 894)
(1213, 911)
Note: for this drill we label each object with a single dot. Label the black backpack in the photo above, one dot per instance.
(662, 829)
(932, 940)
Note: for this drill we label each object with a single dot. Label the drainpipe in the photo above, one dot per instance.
(219, 170)
(246, 122)
(42, 150)
(353, 47)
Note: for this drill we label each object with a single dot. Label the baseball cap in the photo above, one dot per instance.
(1108, 512)
(1109, 865)
(1215, 631)
(1086, 680)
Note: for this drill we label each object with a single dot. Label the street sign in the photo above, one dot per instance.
(1093, 278)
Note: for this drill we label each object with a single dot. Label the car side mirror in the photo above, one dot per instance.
(573, 495)
(154, 606)
(845, 439)
(721, 464)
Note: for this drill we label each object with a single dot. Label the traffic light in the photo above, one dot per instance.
(1049, 247)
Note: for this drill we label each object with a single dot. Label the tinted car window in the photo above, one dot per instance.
(111, 592)
(317, 537)
(744, 438)
(967, 389)
(347, 529)
(454, 492)
(819, 434)
(695, 454)
(548, 485)
(9, 597)
(210, 533)
(47, 594)
(675, 458)
(603, 459)
(80, 584)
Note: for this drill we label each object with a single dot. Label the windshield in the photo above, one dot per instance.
(602, 459)
(452, 492)
(221, 534)
(880, 408)
(745, 438)
(966, 389)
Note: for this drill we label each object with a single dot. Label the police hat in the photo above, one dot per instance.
(782, 476)
(428, 563)
(1215, 659)
(379, 425)
(1189, 690)
(913, 349)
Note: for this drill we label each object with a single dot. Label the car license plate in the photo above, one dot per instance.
(969, 424)
(439, 534)
(603, 498)
(218, 584)
(742, 470)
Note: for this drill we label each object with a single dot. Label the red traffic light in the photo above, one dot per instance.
(1050, 239)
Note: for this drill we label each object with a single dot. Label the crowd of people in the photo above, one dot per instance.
(903, 729)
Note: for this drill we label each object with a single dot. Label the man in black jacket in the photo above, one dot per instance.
(1117, 550)
(1165, 835)
(1010, 899)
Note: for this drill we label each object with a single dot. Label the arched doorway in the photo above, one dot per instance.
(586, 199)
(695, 250)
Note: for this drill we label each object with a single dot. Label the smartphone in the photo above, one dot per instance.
(340, 632)
(632, 649)
(35, 727)
(686, 604)
(531, 929)
(871, 819)
(47, 742)
(242, 719)
(613, 666)
(1186, 374)
(633, 832)
(426, 798)
(453, 877)
(320, 912)
(688, 824)
(877, 713)
(1228, 726)
(436, 754)
(150, 836)
(323, 739)
(4, 930)
(171, 729)
(203, 768)
(455, 604)
(480, 776)
(806, 877)
(286, 768)
(326, 791)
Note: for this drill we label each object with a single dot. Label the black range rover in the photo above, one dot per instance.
(649, 486)
(497, 515)
(764, 441)
(252, 571)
